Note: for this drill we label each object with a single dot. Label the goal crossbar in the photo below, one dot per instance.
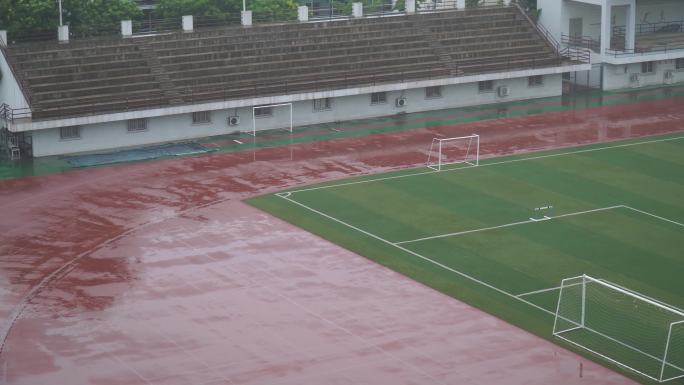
(254, 108)
(471, 156)
(663, 343)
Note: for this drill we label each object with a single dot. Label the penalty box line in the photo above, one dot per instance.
(288, 197)
(531, 220)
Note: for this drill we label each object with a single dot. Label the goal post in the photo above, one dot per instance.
(457, 150)
(259, 111)
(627, 328)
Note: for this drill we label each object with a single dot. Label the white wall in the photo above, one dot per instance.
(10, 92)
(617, 76)
(111, 135)
(654, 11)
(590, 14)
(551, 16)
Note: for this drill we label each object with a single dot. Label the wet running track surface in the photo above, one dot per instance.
(157, 273)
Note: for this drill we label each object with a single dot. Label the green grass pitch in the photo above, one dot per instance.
(469, 232)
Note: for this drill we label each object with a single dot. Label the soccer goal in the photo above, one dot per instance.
(622, 326)
(446, 151)
(267, 111)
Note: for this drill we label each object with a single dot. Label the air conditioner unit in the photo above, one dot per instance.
(634, 80)
(669, 77)
(400, 101)
(503, 91)
(233, 120)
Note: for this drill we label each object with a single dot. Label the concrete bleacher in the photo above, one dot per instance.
(97, 75)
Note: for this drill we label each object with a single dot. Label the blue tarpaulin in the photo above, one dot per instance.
(173, 149)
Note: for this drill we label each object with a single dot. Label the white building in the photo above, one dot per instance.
(634, 43)
(100, 94)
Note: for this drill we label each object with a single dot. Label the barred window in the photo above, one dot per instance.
(679, 64)
(485, 86)
(137, 125)
(72, 132)
(433, 92)
(535, 81)
(379, 98)
(647, 67)
(263, 112)
(201, 117)
(322, 104)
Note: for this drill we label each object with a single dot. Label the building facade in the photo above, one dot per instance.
(633, 43)
(98, 95)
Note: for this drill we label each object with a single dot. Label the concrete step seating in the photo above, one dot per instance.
(109, 75)
(310, 64)
(254, 56)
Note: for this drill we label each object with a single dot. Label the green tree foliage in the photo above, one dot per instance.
(400, 5)
(273, 9)
(24, 16)
(217, 8)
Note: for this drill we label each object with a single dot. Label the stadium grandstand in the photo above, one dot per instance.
(141, 87)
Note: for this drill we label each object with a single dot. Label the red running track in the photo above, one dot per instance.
(156, 273)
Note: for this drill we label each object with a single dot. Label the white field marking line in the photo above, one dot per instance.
(493, 163)
(615, 284)
(507, 225)
(545, 290)
(654, 216)
(658, 359)
(464, 275)
(605, 357)
(545, 218)
(237, 141)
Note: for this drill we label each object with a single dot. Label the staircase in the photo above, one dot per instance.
(423, 28)
(157, 70)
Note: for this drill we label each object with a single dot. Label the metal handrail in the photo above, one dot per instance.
(581, 41)
(540, 29)
(11, 114)
(645, 51)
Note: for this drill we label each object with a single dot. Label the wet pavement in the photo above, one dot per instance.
(156, 273)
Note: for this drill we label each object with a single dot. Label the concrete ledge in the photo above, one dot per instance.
(638, 58)
(222, 105)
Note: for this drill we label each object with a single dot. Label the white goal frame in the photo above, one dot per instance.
(254, 108)
(437, 143)
(580, 324)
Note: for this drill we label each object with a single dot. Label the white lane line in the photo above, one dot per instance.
(237, 141)
(507, 225)
(494, 163)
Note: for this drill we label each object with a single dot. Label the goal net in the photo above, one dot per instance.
(271, 111)
(627, 328)
(448, 151)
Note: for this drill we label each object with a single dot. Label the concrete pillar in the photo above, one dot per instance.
(357, 9)
(303, 13)
(63, 33)
(606, 30)
(630, 26)
(188, 23)
(3, 37)
(410, 6)
(460, 4)
(126, 28)
(246, 17)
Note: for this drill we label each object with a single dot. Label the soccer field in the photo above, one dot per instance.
(473, 233)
